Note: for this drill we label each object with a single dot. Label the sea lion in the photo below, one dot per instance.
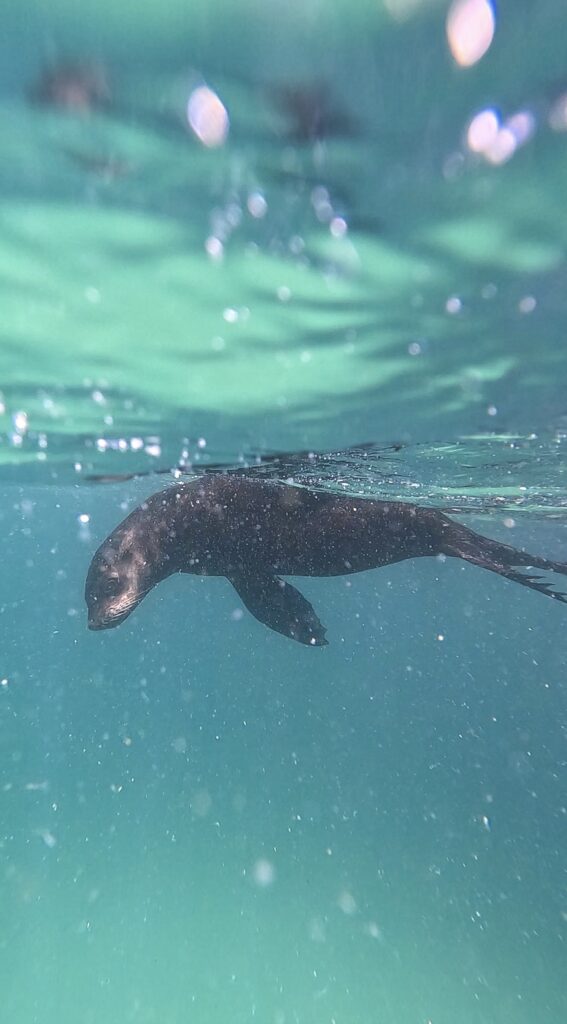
(255, 531)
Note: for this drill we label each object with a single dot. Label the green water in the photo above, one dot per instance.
(200, 821)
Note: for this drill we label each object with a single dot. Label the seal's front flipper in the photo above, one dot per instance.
(281, 607)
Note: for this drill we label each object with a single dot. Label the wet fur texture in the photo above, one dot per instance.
(254, 532)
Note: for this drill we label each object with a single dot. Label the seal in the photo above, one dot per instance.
(253, 532)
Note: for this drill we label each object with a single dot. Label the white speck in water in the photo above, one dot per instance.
(20, 421)
(453, 305)
(296, 245)
(257, 205)
(237, 615)
(492, 410)
(207, 116)
(489, 291)
(527, 304)
(230, 315)
(201, 443)
(283, 293)
(84, 518)
(338, 227)
(470, 30)
(347, 902)
(263, 873)
(48, 838)
(214, 248)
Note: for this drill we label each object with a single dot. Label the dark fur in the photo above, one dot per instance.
(254, 532)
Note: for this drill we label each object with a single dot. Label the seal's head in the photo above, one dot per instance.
(119, 576)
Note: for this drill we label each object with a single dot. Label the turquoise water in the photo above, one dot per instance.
(201, 821)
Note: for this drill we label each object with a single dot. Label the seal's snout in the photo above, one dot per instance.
(99, 623)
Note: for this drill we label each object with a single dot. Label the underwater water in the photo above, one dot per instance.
(200, 820)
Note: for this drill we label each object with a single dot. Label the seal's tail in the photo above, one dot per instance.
(460, 542)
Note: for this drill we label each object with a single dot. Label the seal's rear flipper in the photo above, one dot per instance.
(281, 607)
(460, 542)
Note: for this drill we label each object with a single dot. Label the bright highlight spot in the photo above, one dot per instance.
(207, 116)
(498, 142)
(470, 30)
(257, 205)
(482, 130)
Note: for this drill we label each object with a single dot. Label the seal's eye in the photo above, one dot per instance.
(111, 586)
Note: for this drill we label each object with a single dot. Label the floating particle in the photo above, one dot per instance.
(207, 117)
(201, 803)
(214, 247)
(257, 205)
(527, 304)
(347, 902)
(557, 116)
(48, 838)
(338, 227)
(263, 873)
(20, 421)
(470, 29)
(482, 130)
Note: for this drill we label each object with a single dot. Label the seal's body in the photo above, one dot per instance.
(255, 531)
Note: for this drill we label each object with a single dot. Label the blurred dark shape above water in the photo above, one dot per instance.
(75, 86)
(311, 112)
